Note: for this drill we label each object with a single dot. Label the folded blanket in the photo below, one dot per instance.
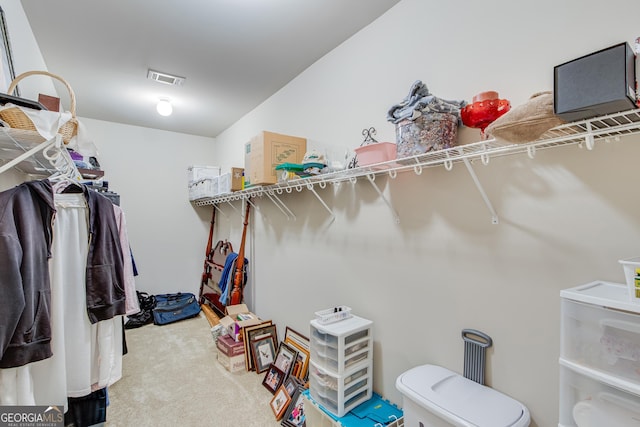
(420, 101)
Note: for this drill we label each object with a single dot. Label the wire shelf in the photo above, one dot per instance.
(586, 132)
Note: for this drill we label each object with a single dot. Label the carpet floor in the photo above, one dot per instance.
(171, 377)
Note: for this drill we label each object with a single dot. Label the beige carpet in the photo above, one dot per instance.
(171, 377)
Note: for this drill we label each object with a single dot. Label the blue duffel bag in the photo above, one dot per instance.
(173, 307)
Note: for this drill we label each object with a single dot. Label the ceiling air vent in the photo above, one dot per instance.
(165, 78)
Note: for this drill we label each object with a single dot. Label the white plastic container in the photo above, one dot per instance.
(434, 396)
(341, 345)
(630, 265)
(591, 398)
(599, 330)
(339, 394)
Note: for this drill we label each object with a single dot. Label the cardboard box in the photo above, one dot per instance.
(238, 316)
(237, 179)
(229, 346)
(267, 150)
(232, 364)
(601, 83)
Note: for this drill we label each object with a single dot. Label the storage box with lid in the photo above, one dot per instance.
(340, 393)
(340, 345)
(596, 84)
(267, 150)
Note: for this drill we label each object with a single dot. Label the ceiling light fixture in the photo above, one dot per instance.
(164, 107)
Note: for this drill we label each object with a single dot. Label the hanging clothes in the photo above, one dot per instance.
(86, 284)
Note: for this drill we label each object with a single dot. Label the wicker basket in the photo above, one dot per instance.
(16, 119)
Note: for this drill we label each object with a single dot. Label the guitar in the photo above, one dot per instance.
(238, 278)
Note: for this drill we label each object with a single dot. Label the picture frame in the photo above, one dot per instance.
(249, 333)
(263, 353)
(295, 415)
(286, 357)
(273, 378)
(292, 335)
(291, 384)
(301, 366)
(280, 402)
(7, 72)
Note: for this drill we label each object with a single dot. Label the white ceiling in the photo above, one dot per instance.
(233, 53)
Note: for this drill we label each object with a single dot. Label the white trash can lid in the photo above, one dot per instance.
(449, 394)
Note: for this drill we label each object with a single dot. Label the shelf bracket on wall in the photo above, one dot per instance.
(371, 177)
(235, 209)
(280, 205)
(215, 205)
(315, 193)
(494, 215)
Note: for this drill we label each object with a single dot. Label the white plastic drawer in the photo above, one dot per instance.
(340, 393)
(341, 345)
(587, 399)
(601, 338)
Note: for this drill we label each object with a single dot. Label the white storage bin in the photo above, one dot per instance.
(338, 394)
(588, 398)
(435, 396)
(203, 189)
(198, 173)
(224, 183)
(341, 345)
(596, 334)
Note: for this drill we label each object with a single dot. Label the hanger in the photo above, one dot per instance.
(65, 179)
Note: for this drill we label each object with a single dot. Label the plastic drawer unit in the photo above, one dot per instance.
(599, 356)
(602, 335)
(341, 345)
(340, 393)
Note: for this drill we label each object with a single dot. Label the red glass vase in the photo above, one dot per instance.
(485, 108)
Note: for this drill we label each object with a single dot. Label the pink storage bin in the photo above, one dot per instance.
(376, 153)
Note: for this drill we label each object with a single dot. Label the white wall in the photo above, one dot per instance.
(148, 168)
(566, 216)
